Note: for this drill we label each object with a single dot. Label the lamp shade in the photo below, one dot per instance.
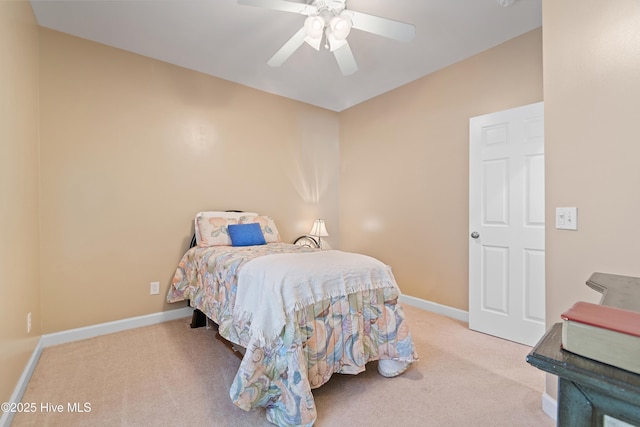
(319, 229)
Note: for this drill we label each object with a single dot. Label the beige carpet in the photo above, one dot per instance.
(171, 375)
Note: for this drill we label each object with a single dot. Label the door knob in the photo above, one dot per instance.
(475, 235)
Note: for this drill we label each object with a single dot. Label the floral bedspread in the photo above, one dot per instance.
(337, 335)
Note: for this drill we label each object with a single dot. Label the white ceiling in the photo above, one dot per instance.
(233, 42)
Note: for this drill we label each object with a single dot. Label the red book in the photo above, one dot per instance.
(606, 334)
(603, 316)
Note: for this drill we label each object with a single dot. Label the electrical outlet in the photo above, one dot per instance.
(29, 322)
(155, 288)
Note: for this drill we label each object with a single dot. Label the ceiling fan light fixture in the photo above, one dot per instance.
(314, 30)
(334, 43)
(340, 26)
(314, 43)
(314, 27)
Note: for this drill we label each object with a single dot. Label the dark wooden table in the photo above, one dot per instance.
(587, 390)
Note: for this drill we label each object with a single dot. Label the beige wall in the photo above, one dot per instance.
(19, 236)
(128, 149)
(405, 166)
(132, 148)
(592, 102)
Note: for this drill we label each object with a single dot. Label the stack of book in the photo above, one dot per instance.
(607, 334)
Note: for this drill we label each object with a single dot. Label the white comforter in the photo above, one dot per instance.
(272, 287)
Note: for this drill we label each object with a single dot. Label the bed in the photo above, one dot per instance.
(299, 314)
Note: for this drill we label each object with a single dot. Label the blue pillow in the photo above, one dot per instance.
(246, 234)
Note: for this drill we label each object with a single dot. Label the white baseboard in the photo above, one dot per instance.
(115, 326)
(434, 307)
(550, 406)
(7, 417)
(81, 334)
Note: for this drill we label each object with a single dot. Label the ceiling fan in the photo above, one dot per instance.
(332, 21)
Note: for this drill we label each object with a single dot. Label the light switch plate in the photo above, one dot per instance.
(567, 218)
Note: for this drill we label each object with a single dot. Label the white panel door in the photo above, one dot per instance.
(506, 224)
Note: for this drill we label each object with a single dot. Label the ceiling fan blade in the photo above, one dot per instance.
(382, 26)
(288, 48)
(346, 61)
(283, 5)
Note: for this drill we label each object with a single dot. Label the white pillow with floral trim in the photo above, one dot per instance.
(268, 226)
(220, 214)
(213, 230)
